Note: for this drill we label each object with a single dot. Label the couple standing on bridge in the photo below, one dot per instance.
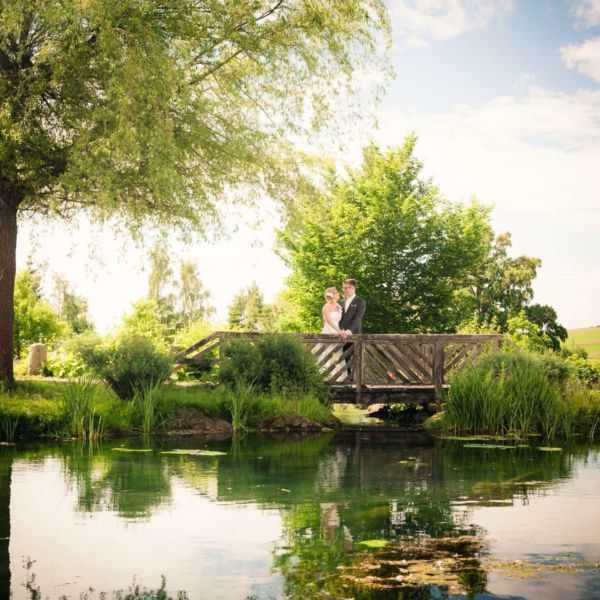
(342, 319)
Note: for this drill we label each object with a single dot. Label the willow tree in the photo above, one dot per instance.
(149, 111)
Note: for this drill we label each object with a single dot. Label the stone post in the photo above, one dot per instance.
(38, 354)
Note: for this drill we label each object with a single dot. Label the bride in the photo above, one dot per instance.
(332, 314)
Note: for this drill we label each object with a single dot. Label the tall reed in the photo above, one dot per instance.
(8, 426)
(505, 392)
(241, 403)
(147, 405)
(79, 409)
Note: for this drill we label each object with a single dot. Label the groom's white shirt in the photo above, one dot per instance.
(348, 302)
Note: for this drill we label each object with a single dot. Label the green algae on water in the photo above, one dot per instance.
(374, 543)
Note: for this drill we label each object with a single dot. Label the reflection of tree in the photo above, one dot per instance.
(409, 496)
(261, 469)
(131, 484)
(6, 459)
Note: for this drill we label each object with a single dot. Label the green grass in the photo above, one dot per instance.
(62, 409)
(587, 338)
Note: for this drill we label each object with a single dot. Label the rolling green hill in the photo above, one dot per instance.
(588, 338)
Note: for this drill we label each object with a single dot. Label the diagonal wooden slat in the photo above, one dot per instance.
(404, 363)
(394, 373)
(421, 370)
(383, 367)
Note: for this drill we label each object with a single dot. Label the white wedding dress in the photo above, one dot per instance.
(334, 350)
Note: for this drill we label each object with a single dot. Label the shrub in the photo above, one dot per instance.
(556, 368)
(273, 363)
(127, 363)
(565, 351)
(585, 370)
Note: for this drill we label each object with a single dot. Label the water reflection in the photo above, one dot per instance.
(364, 515)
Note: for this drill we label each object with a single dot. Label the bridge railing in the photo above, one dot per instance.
(370, 361)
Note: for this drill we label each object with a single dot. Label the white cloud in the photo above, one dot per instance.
(537, 154)
(422, 22)
(584, 57)
(535, 158)
(587, 13)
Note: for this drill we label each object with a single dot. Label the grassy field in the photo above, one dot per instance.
(588, 338)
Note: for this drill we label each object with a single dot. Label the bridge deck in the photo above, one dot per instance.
(371, 363)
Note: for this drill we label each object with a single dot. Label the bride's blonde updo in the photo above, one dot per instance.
(330, 293)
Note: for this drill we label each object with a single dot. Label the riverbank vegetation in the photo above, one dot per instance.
(90, 410)
(520, 392)
(271, 383)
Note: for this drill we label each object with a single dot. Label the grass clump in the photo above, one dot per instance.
(148, 407)
(518, 392)
(79, 407)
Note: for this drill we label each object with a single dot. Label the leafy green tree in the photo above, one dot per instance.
(35, 320)
(160, 279)
(410, 250)
(144, 321)
(546, 319)
(193, 301)
(148, 112)
(71, 307)
(527, 334)
(247, 309)
(500, 286)
(282, 315)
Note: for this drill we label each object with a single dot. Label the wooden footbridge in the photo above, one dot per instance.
(374, 365)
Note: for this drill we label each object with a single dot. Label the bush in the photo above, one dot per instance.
(273, 363)
(578, 351)
(556, 368)
(585, 371)
(127, 364)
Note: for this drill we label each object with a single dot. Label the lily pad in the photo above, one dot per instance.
(374, 543)
(132, 449)
(194, 452)
(501, 446)
(549, 449)
(481, 438)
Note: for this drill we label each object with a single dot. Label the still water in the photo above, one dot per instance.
(285, 517)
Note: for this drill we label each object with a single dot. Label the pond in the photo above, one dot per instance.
(354, 514)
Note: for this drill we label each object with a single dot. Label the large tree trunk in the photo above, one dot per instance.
(8, 266)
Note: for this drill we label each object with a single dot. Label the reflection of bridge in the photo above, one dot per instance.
(370, 363)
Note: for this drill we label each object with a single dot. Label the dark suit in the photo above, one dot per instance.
(352, 317)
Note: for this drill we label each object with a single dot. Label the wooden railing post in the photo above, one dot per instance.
(358, 368)
(438, 372)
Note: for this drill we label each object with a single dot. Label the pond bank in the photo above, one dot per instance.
(42, 409)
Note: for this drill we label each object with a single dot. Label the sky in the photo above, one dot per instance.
(504, 96)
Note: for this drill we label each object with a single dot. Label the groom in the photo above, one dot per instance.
(353, 310)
